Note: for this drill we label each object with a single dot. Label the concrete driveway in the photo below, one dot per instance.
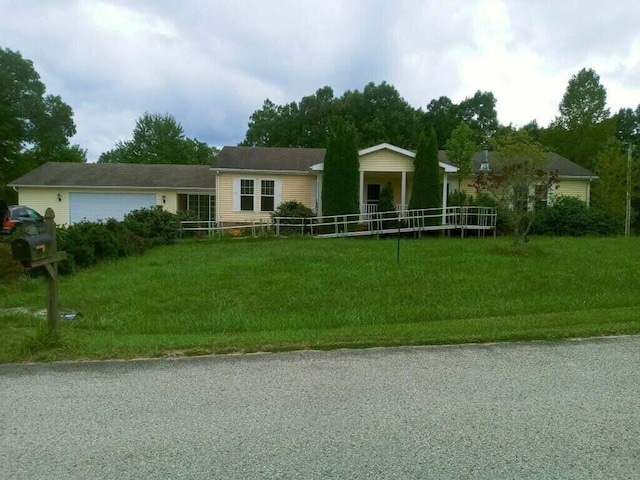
(530, 410)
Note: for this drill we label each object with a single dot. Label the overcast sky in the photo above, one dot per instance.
(211, 63)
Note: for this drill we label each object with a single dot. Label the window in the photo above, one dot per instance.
(540, 196)
(202, 206)
(246, 195)
(267, 197)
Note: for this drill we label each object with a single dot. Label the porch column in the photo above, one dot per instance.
(403, 191)
(444, 199)
(319, 195)
(361, 190)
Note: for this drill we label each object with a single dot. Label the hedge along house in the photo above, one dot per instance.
(95, 191)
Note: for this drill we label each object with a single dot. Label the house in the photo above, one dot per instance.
(97, 191)
(246, 185)
(252, 180)
(574, 180)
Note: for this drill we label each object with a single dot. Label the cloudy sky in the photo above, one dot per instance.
(211, 63)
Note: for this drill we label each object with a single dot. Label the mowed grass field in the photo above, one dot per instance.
(280, 294)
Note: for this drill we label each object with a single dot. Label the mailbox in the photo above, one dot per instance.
(31, 248)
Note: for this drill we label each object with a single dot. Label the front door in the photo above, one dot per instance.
(373, 193)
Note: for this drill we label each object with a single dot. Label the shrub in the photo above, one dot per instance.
(570, 216)
(155, 225)
(293, 211)
(87, 243)
(10, 270)
(459, 199)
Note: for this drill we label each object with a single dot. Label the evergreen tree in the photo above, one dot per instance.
(426, 189)
(386, 201)
(340, 179)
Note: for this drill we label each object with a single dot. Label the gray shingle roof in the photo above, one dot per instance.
(301, 159)
(564, 167)
(119, 175)
(269, 158)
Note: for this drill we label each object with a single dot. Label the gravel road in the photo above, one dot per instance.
(531, 410)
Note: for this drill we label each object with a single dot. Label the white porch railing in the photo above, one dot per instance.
(463, 218)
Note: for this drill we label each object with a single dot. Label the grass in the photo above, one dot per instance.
(282, 294)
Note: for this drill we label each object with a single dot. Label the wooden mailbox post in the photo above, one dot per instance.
(40, 249)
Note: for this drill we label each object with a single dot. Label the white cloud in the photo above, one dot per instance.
(211, 64)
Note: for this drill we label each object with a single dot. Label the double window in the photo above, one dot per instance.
(256, 194)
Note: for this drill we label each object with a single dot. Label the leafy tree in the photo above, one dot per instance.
(609, 190)
(460, 150)
(584, 102)
(479, 112)
(340, 179)
(160, 139)
(583, 127)
(443, 116)
(378, 113)
(426, 189)
(518, 172)
(628, 125)
(34, 127)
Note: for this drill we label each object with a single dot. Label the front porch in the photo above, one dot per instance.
(372, 183)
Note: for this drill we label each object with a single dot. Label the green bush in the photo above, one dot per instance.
(10, 270)
(570, 216)
(155, 225)
(293, 211)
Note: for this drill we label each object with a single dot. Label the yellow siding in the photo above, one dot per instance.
(294, 187)
(386, 161)
(299, 188)
(566, 187)
(171, 200)
(573, 188)
(465, 184)
(42, 198)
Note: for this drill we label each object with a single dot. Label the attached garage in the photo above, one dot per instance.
(99, 191)
(95, 207)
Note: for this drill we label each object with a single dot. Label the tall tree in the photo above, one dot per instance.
(519, 172)
(160, 139)
(443, 116)
(460, 150)
(628, 125)
(584, 102)
(378, 113)
(340, 177)
(479, 112)
(609, 190)
(583, 127)
(34, 127)
(426, 191)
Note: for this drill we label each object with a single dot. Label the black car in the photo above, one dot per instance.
(15, 215)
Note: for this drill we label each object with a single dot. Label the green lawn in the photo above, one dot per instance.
(281, 294)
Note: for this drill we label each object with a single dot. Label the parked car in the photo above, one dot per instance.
(14, 216)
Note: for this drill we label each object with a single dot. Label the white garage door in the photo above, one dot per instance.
(101, 206)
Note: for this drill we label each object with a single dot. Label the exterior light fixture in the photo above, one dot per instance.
(164, 199)
(59, 197)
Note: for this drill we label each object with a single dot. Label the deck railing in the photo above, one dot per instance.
(463, 218)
